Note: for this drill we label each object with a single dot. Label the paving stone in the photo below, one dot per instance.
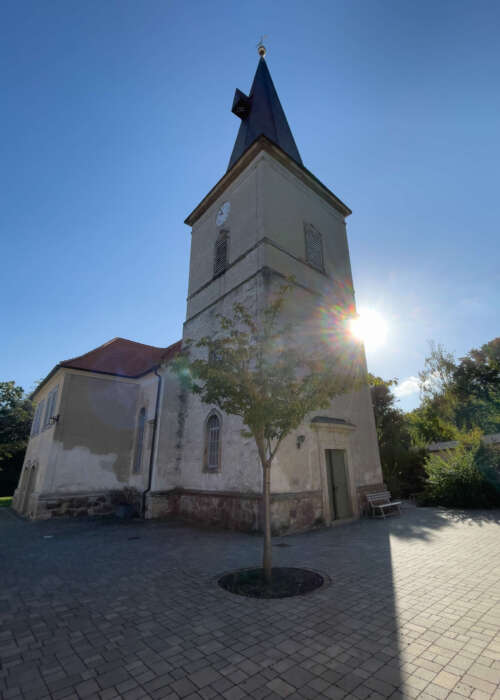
(135, 621)
(446, 680)
(298, 677)
(204, 677)
(87, 688)
(114, 677)
(280, 687)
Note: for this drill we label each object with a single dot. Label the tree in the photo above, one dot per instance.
(402, 465)
(255, 369)
(466, 476)
(458, 394)
(477, 388)
(16, 413)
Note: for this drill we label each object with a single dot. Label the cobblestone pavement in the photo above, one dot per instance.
(107, 609)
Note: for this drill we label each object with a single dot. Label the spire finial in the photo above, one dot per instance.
(261, 48)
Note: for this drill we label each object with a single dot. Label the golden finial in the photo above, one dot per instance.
(261, 48)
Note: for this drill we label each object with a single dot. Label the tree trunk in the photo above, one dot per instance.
(266, 506)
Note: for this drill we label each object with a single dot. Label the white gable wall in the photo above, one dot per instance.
(91, 450)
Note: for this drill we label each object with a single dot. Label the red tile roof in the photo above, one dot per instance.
(123, 357)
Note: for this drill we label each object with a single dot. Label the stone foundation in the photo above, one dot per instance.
(45, 506)
(290, 512)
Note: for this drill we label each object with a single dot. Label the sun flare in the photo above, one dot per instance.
(371, 328)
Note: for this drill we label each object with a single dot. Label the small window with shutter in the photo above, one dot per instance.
(38, 418)
(221, 253)
(314, 247)
(51, 408)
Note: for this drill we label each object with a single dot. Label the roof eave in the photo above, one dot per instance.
(265, 144)
(62, 366)
(44, 381)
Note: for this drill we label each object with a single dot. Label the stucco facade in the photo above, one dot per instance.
(268, 219)
(81, 462)
(269, 208)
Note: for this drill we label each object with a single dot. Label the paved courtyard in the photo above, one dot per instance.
(101, 609)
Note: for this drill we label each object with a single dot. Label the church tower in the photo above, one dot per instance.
(266, 219)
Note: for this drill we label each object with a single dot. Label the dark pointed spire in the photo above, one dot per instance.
(261, 113)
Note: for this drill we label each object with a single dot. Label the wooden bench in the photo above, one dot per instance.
(381, 505)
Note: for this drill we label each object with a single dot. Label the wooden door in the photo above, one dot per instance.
(338, 486)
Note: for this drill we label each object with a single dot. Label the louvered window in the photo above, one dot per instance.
(141, 423)
(221, 253)
(213, 442)
(51, 408)
(314, 247)
(38, 418)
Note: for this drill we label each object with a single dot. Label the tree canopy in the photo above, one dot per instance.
(16, 413)
(402, 464)
(458, 394)
(256, 369)
(459, 399)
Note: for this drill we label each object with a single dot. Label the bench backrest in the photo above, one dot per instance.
(379, 497)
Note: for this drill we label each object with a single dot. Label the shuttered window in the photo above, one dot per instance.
(213, 442)
(51, 407)
(221, 253)
(314, 247)
(35, 429)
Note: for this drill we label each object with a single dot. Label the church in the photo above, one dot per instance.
(114, 426)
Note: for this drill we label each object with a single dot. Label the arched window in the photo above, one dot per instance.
(221, 253)
(141, 423)
(212, 442)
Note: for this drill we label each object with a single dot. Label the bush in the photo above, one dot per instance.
(466, 477)
(10, 470)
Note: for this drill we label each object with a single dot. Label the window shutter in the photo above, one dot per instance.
(50, 409)
(36, 420)
(47, 411)
(54, 402)
(314, 247)
(44, 418)
(220, 259)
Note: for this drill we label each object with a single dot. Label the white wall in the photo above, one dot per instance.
(269, 207)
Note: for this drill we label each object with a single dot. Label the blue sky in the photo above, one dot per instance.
(116, 122)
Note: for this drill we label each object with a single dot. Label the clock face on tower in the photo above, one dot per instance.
(222, 214)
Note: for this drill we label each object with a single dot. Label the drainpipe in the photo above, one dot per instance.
(153, 445)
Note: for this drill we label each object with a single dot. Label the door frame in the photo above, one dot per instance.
(331, 478)
(335, 437)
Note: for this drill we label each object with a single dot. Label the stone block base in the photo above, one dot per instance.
(45, 506)
(290, 512)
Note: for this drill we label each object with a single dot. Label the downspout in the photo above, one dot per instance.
(153, 446)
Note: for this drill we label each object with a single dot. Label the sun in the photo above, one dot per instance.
(371, 328)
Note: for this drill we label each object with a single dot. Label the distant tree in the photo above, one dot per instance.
(255, 369)
(477, 388)
(426, 425)
(458, 394)
(16, 413)
(467, 476)
(402, 464)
